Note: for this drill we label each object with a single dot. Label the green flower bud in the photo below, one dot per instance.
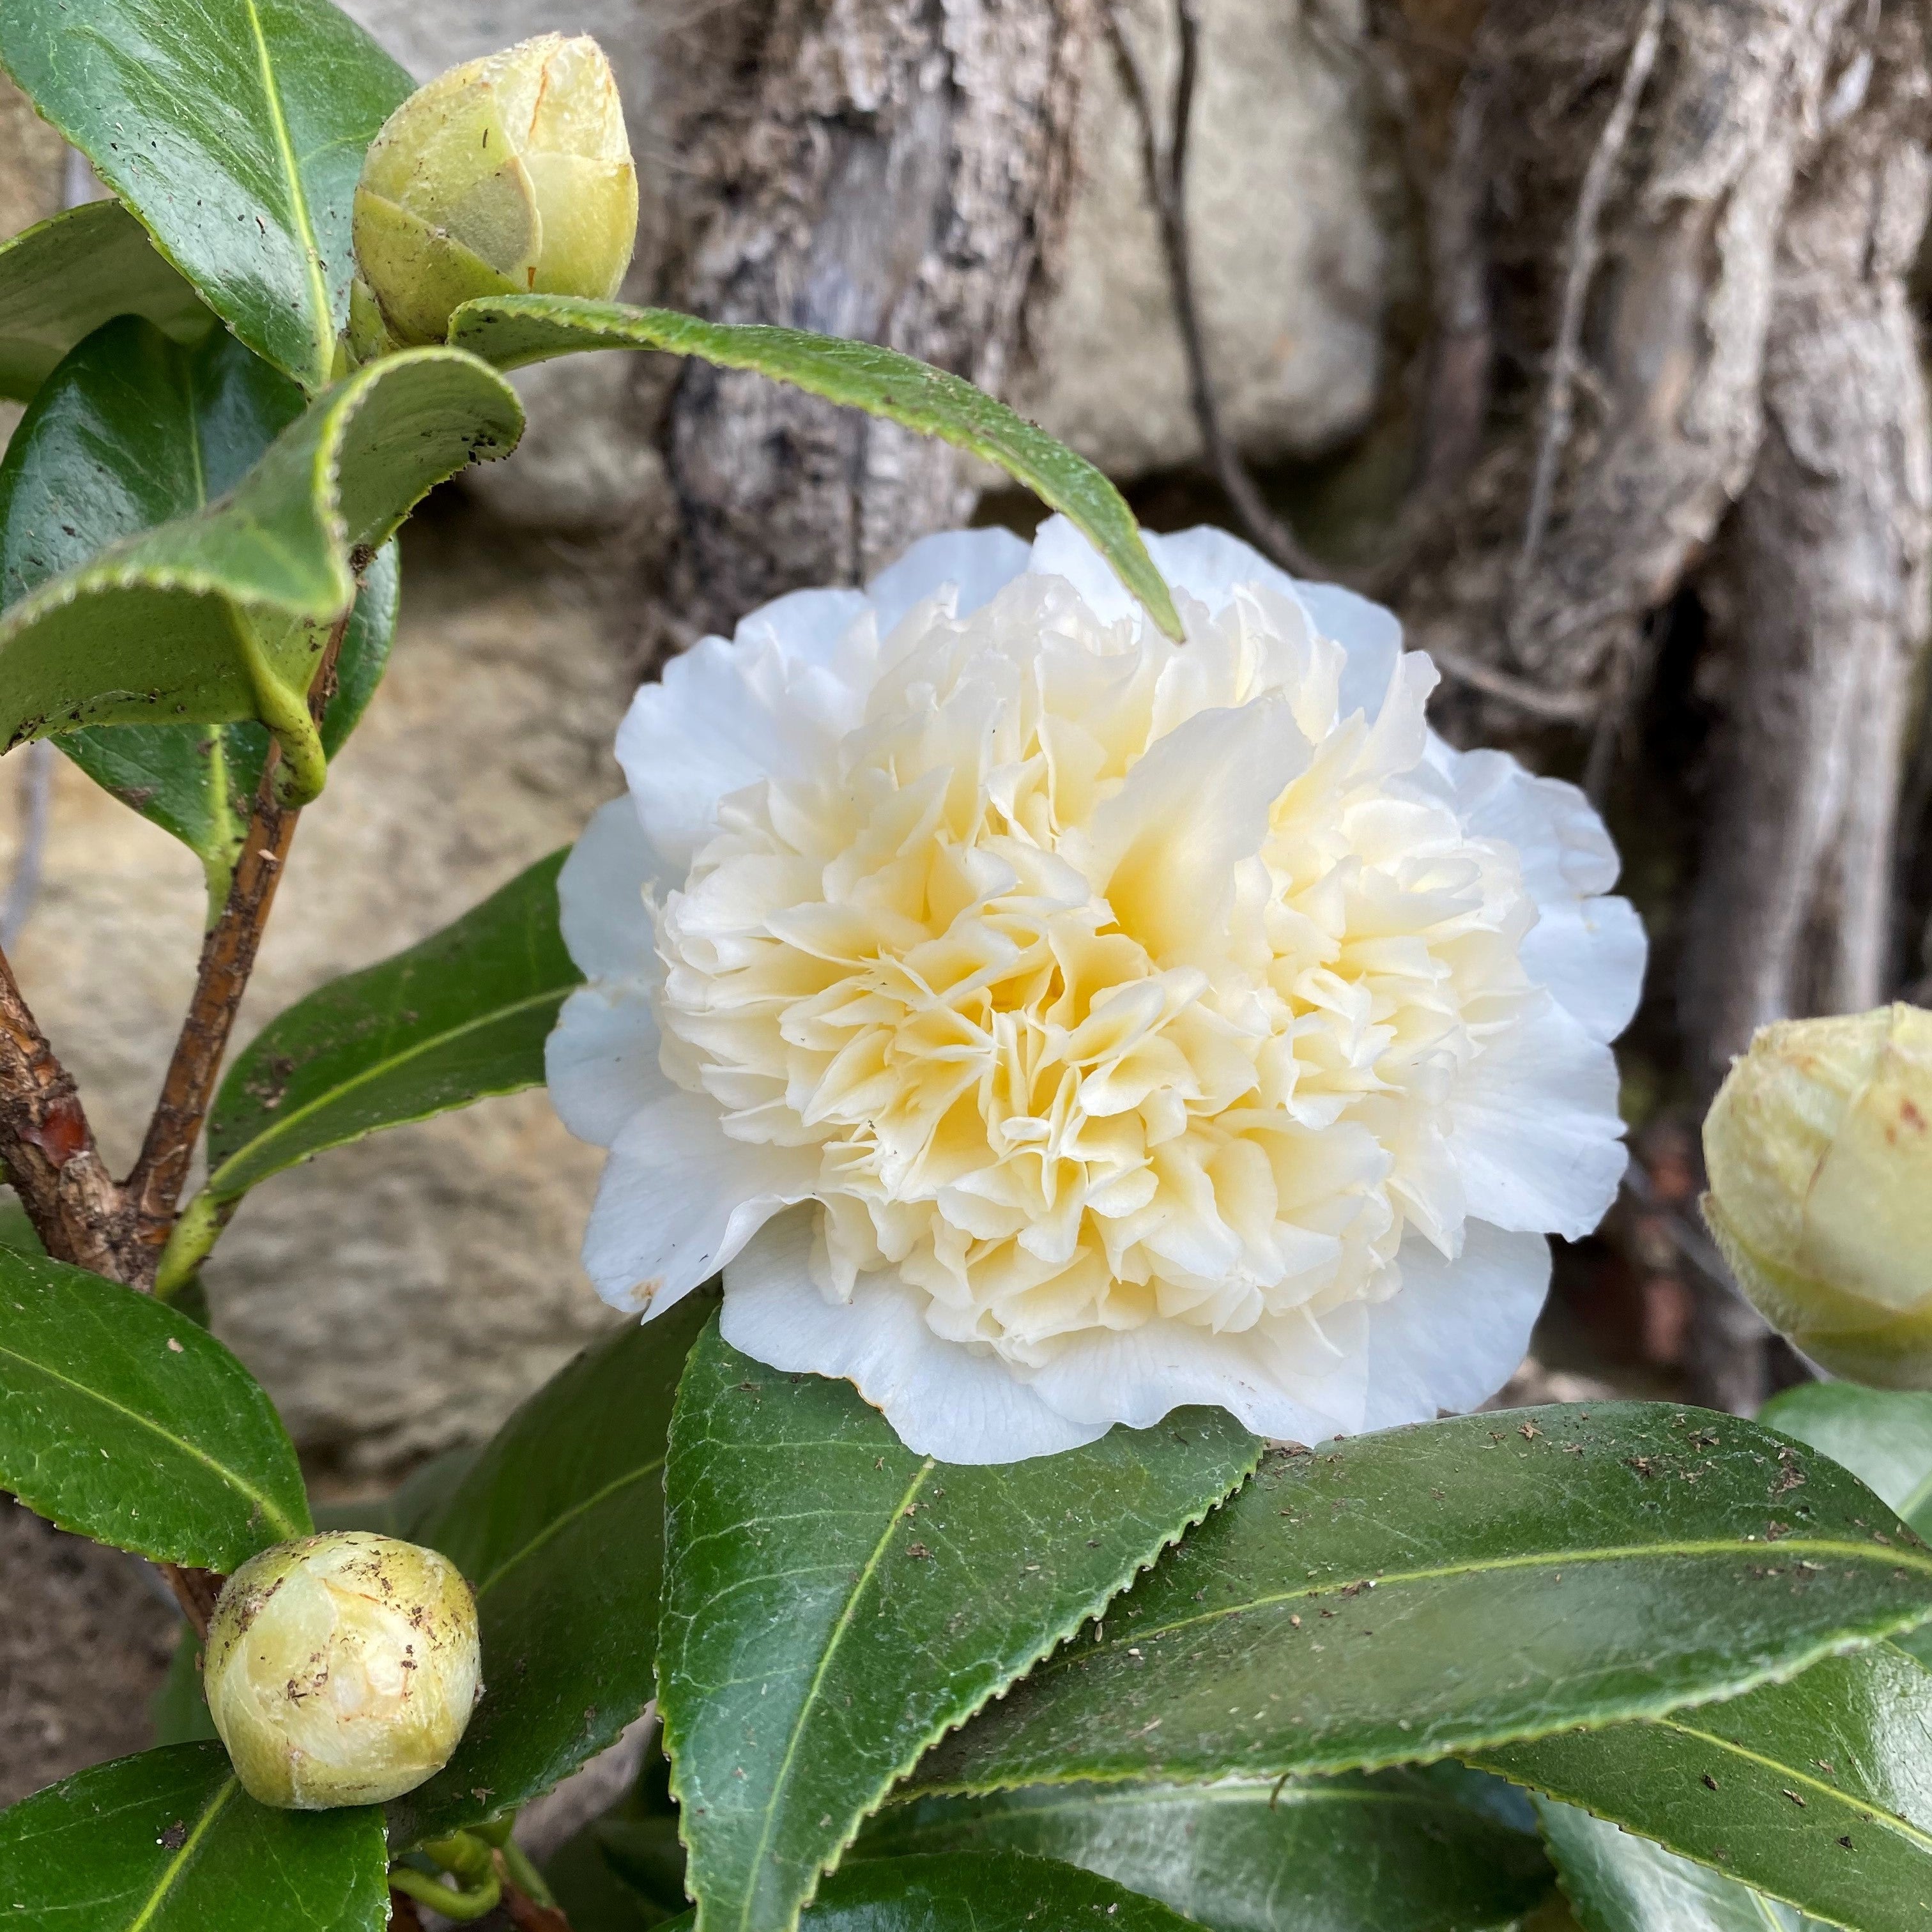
(507, 175)
(1819, 1150)
(341, 1670)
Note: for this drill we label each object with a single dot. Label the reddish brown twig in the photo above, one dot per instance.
(227, 958)
(403, 1916)
(49, 1148)
(527, 1915)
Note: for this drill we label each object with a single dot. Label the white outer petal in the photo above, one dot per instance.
(1458, 1329)
(979, 563)
(1136, 1376)
(773, 702)
(1535, 1126)
(1209, 565)
(942, 1399)
(600, 895)
(679, 1199)
(601, 1059)
(1589, 950)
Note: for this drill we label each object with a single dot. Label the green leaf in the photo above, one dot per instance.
(510, 331)
(834, 1602)
(133, 431)
(1882, 1436)
(1390, 1852)
(17, 1232)
(1816, 1791)
(61, 279)
(592, 1894)
(407, 1507)
(559, 1527)
(169, 1842)
(1440, 1587)
(1619, 1883)
(121, 1419)
(464, 1014)
(1004, 1891)
(235, 130)
(220, 615)
(179, 1708)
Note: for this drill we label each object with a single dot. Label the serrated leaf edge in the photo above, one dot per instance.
(1137, 1567)
(108, 572)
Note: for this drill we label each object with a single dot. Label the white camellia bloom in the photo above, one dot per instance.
(1042, 1025)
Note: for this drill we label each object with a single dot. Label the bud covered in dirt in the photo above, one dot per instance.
(341, 1669)
(1819, 1150)
(510, 175)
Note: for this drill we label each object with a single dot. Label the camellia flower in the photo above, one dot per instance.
(1042, 1025)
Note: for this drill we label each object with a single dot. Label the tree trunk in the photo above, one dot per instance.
(894, 170)
(1694, 220)
(1818, 590)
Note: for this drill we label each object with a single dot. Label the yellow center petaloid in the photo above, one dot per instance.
(1109, 981)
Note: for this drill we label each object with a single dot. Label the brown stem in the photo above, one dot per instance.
(49, 1148)
(524, 1913)
(195, 1591)
(403, 1916)
(1166, 167)
(227, 958)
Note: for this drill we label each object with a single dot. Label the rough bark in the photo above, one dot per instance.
(1692, 222)
(1818, 589)
(1637, 402)
(896, 170)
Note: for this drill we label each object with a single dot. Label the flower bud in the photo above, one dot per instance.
(341, 1670)
(507, 175)
(1819, 1150)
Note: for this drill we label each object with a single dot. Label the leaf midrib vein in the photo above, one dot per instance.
(165, 1883)
(557, 1525)
(1529, 1560)
(1866, 1808)
(859, 1584)
(334, 1094)
(273, 1514)
(324, 329)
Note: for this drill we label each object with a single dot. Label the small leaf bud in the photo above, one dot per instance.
(510, 175)
(1818, 1148)
(341, 1669)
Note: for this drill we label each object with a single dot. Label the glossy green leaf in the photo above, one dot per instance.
(1818, 1792)
(61, 279)
(462, 1015)
(179, 1708)
(625, 1870)
(1619, 1883)
(235, 130)
(130, 431)
(410, 1505)
(220, 615)
(169, 1842)
(1883, 1436)
(1386, 1852)
(1436, 1588)
(559, 1527)
(17, 1232)
(834, 1602)
(121, 1419)
(1005, 1891)
(592, 1894)
(510, 331)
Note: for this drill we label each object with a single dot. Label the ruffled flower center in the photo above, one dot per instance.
(1109, 979)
